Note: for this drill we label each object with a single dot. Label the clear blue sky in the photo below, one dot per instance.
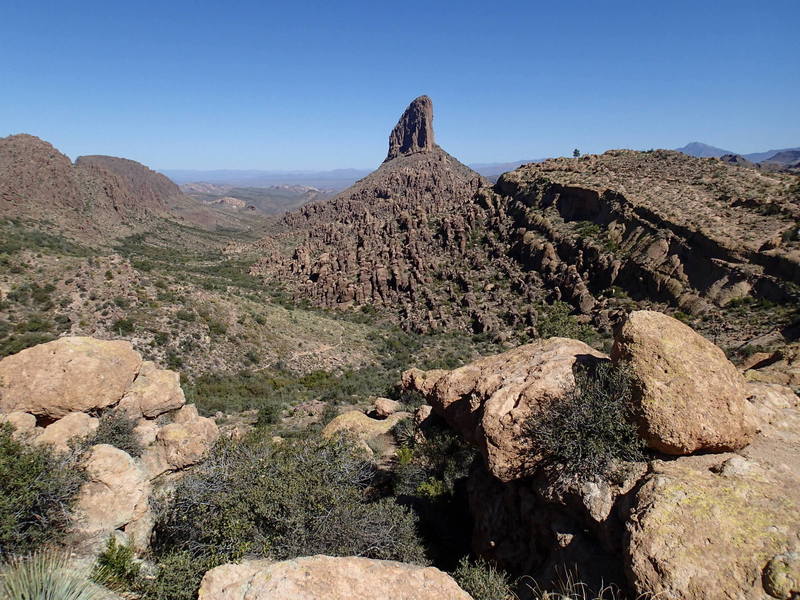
(319, 85)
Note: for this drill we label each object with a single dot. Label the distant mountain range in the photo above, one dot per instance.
(700, 150)
(339, 179)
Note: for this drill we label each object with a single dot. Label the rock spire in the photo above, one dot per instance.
(414, 131)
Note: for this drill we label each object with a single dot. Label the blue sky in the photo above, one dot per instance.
(319, 85)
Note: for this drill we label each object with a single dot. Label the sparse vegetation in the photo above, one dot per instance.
(482, 580)
(593, 427)
(299, 498)
(37, 490)
(116, 429)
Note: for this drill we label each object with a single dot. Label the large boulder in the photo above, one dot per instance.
(328, 578)
(490, 400)
(688, 395)
(154, 392)
(71, 374)
(115, 496)
(179, 445)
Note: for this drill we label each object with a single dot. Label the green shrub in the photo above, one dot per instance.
(185, 315)
(116, 429)
(556, 320)
(177, 577)
(47, 576)
(37, 489)
(593, 426)
(115, 567)
(299, 498)
(482, 580)
(123, 326)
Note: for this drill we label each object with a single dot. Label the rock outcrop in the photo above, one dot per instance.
(715, 524)
(414, 131)
(689, 397)
(328, 578)
(57, 393)
(490, 400)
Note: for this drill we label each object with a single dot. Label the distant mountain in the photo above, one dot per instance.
(700, 150)
(784, 157)
(274, 199)
(493, 170)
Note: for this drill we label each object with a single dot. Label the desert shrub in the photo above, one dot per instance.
(299, 498)
(37, 490)
(482, 580)
(593, 426)
(115, 567)
(123, 326)
(116, 429)
(47, 576)
(178, 576)
(556, 320)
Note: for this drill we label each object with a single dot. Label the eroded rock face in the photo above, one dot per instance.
(414, 131)
(689, 396)
(328, 578)
(489, 401)
(70, 374)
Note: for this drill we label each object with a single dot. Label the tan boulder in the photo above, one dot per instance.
(72, 426)
(328, 578)
(707, 526)
(146, 431)
(115, 495)
(179, 445)
(187, 413)
(363, 427)
(71, 374)
(154, 392)
(490, 400)
(24, 424)
(383, 407)
(689, 396)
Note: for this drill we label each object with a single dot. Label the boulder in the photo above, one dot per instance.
(361, 426)
(179, 445)
(24, 424)
(490, 400)
(71, 374)
(713, 522)
(383, 407)
(115, 495)
(72, 426)
(770, 399)
(689, 397)
(154, 392)
(328, 578)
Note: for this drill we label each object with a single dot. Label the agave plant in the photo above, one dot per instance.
(47, 576)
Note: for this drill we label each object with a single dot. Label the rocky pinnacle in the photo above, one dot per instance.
(414, 131)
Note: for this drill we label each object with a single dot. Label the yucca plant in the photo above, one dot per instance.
(47, 576)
